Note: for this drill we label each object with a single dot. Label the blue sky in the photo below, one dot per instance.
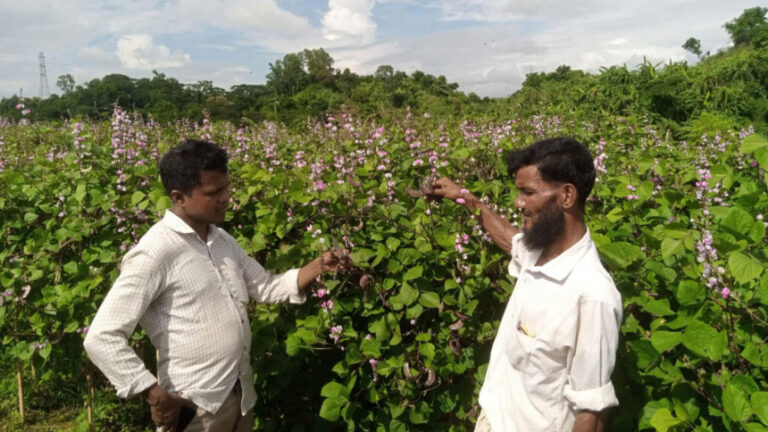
(487, 46)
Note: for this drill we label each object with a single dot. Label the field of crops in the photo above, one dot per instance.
(402, 341)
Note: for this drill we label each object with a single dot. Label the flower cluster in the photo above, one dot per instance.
(631, 196)
(600, 160)
(5, 294)
(461, 241)
(335, 333)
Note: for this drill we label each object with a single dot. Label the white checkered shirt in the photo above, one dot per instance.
(190, 297)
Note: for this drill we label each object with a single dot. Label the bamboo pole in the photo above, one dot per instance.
(89, 379)
(19, 383)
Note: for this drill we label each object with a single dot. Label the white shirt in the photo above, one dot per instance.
(190, 297)
(556, 345)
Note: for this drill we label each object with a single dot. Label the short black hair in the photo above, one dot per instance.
(180, 168)
(560, 160)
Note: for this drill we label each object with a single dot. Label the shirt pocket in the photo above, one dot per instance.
(521, 345)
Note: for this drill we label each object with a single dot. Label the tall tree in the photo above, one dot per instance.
(693, 46)
(319, 66)
(287, 76)
(66, 83)
(747, 26)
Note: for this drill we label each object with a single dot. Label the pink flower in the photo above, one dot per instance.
(460, 201)
(725, 292)
(373, 363)
(321, 292)
(335, 333)
(327, 305)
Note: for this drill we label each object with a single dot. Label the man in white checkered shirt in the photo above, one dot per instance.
(188, 283)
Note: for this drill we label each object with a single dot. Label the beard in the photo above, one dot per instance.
(548, 226)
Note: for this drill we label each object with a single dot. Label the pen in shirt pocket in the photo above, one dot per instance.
(523, 328)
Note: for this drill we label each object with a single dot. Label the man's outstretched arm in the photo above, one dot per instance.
(500, 229)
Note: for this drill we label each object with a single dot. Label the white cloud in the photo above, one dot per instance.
(220, 47)
(616, 42)
(349, 19)
(498, 11)
(139, 51)
(97, 54)
(365, 59)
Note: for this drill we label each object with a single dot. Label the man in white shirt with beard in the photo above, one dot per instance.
(552, 358)
(188, 284)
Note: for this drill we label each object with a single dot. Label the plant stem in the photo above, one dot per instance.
(19, 383)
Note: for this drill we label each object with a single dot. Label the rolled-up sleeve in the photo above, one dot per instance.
(589, 384)
(267, 287)
(107, 339)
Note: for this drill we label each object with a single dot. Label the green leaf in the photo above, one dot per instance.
(753, 142)
(757, 233)
(258, 242)
(360, 256)
(430, 299)
(690, 292)
(737, 221)
(419, 414)
(45, 351)
(70, 268)
(644, 352)
(370, 347)
(760, 405)
(163, 203)
(663, 419)
(658, 307)
(664, 340)
(393, 243)
(80, 192)
(756, 354)
(408, 294)
(30, 217)
(292, 345)
(744, 268)
(755, 427)
(621, 254)
(735, 403)
(762, 289)
(334, 389)
(137, 197)
(704, 340)
(413, 273)
(761, 155)
(427, 350)
(330, 409)
(671, 247)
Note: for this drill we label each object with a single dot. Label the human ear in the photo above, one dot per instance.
(177, 197)
(568, 195)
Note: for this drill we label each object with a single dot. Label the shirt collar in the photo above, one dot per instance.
(560, 267)
(174, 222)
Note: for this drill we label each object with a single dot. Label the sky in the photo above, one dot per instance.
(486, 46)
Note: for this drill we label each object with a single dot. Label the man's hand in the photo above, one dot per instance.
(165, 407)
(334, 260)
(446, 188)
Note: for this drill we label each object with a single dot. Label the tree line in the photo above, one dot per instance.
(726, 90)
